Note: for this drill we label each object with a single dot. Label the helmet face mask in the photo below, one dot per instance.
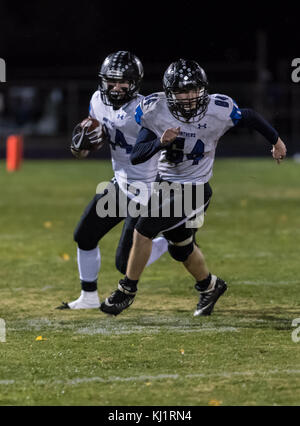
(185, 85)
(111, 96)
(124, 68)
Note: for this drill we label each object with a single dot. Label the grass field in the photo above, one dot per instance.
(156, 352)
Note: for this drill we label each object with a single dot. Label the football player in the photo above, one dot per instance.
(184, 124)
(113, 106)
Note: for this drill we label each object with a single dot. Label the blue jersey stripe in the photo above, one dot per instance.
(138, 114)
(236, 114)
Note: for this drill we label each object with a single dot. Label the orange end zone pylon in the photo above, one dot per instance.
(14, 152)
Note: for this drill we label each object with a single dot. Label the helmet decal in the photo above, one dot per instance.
(186, 76)
(125, 67)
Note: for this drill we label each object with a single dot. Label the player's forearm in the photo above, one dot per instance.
(144, 151)
(254, 120)
(146, 146)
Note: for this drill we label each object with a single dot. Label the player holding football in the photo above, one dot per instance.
(113, 105)
(184, 124)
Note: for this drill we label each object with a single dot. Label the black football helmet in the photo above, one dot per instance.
(183, 76)
(120, 66)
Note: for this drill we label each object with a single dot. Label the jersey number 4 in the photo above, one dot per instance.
(175, 152)
(121, 142)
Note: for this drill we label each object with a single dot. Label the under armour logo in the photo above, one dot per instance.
(120, 116)
(202, 125)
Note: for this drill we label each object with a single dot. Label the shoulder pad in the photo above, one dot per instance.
(221, 100)
(149, 102)
(221, 104)
(96, 95)
(147, 105)
(225, 107)
(95, 99)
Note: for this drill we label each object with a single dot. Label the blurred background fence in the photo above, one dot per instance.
(45, 105)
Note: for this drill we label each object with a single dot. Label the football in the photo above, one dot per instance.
(90, 124)
(89, 135)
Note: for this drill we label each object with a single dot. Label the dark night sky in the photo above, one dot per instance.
(45, 33)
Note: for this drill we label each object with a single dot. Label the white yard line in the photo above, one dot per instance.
(146, 378)
(261, 283)
(111, 327)
(117, 330)
(7, 382)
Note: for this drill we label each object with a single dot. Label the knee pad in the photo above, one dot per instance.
(181, 251)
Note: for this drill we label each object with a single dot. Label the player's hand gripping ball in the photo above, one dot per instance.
(89, 135)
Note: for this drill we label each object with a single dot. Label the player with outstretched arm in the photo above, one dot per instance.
(184, 124)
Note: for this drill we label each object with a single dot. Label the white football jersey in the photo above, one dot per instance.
(123, 131)
(191, 156)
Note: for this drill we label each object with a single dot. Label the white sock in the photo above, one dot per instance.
(86, 300)
(159, 247)
(89, 263)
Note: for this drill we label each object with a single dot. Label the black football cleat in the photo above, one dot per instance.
(63, 305)
(208, 298)
(119, 300)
